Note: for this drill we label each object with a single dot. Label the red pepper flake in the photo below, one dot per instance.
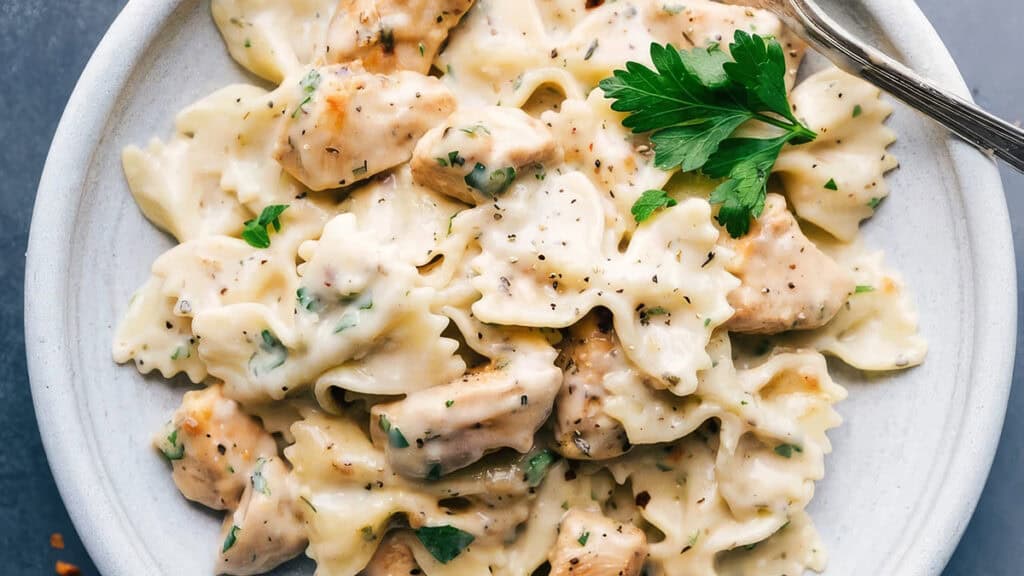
(67, 569)
(57, 541)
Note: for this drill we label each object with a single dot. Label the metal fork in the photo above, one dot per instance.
(989, 133)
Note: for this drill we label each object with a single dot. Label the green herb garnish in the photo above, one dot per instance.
(176, 450)
(395, 437)
(831, 184)
(863, 288)
(537, 467)
(444, 542)
(650, 202)
(874, 202)
(786, 450)
(259, 483)
(490, 184)
(231, 539)
(348, 320)
(270, 354)
(583, 538)
(255, 232)
(857, 110)
(309, 85)
(307, 300)
(435, 471)
(455, 160)
(694, 101)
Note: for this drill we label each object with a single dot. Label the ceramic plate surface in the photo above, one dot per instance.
(909, 462)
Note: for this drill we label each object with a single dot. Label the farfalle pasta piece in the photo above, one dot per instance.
(838, 180)
(545, 261)
(273, 38)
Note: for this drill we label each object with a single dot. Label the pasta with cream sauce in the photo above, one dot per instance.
(430, 336)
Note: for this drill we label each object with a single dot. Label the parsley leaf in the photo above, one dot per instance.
(747, 163)
(490, 184)
(255, 232)
(173, 450)
(259, 482)
(650, 202)
(230, 539)
(444, 542)
(694, 101)
(787, 450)
(537, 467)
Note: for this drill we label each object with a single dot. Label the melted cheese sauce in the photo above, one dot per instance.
(458, 323)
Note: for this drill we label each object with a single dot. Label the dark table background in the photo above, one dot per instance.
(44, 44)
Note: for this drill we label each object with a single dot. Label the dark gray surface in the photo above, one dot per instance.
(44, 44)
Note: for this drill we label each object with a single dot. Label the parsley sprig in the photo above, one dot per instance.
(694, 101)
(255, 231)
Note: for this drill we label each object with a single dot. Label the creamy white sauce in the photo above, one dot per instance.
(403, 330)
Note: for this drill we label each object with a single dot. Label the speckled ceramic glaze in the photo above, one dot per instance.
(909, 462)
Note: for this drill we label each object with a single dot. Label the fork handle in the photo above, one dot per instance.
(989, 133)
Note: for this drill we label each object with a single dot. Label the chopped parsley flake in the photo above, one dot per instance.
(786, 450)
(583, 538)
(395, 437)
(444, 542)
(863, 288)
(874, 202)
(857, 110)
(255, 232)
(231, 539)
(174, 451)
(831, 184)
(537, 467)
(270, 354)
(490, 184)
(259, 482)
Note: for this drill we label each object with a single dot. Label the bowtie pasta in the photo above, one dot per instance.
(430, 336)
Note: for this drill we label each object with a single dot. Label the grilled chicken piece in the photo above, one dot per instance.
(266, 529)
(589, 353)
(392, 558)
(346, 124)
(591, 544)
(437, 430)
(213, 446)
(787, 282)
(478, 152)
(390, 35)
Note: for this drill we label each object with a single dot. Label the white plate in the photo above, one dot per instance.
(909, 463)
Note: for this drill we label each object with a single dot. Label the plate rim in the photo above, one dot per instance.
(95, 98)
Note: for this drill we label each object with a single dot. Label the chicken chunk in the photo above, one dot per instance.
(392, 558)
(787, 282)
(437, 430)
(590, 352)
(390, 35)
(265, 530)
(591, 544)
(478, 152)
(347, 124)
(213, 446)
